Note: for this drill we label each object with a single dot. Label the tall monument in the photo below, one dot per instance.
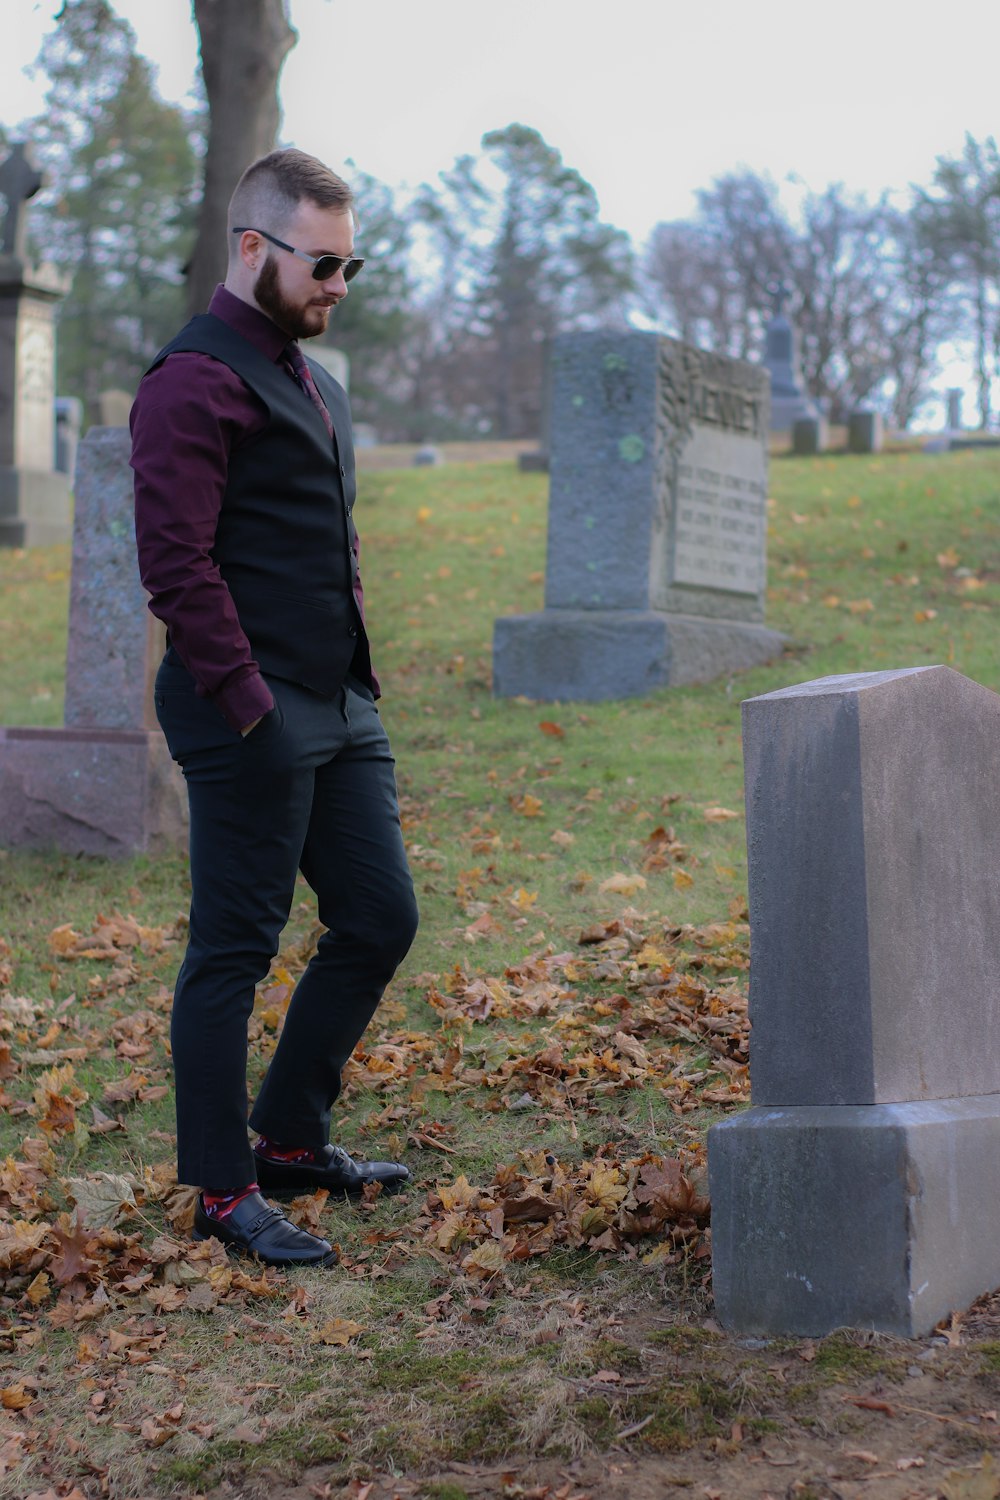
(34, 496)
(789, 401)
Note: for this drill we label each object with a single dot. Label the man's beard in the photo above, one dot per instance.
(299, 322)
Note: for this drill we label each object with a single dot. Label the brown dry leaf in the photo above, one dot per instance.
(101, 1199)
(486, 1260)
(527, 805)
(19, 1241)
(39, 1289)
(338, 1333)
(622, 884)
(982, 1483)
(682, 880)
(719, 814)
(562, 838)
(556, 730)
(15, 1397)
(458, 1194)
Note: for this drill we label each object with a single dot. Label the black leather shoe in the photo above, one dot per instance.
(335, 1171)
(256, 1227)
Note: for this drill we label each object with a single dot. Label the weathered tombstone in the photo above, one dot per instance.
(428, 457)
(69, 419)
(781, 360)
(111, 408)
(863, 1187)
(810, 435)
(954, 416)
(334, 361)
(864, 431)
(656, 564)
(103, 784)
(34, 497)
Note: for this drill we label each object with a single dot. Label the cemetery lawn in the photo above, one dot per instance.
(534, 1317)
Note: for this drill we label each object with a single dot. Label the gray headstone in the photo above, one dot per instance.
(810, 435)
(104, 784)
(69, 419)
(864, 431)
(656, 563)
(334, 361)
(428, 457)
(20, 179)
(114, 644)
(954, 415)
(34, 497)
(112, 408)
(789, 401)
(857, 1190)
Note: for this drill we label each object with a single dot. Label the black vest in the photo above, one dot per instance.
(285, 542)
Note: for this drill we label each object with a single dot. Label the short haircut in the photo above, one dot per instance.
(272, 188)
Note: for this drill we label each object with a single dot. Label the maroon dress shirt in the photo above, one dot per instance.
(189, 415)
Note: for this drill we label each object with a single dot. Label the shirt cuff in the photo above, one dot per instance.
(248, 699)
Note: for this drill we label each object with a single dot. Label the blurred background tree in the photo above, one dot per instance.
(117, 213)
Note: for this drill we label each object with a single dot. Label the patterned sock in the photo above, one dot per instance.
(273, 1152)
(218, 1205)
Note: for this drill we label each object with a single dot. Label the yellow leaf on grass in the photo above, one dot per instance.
(486, 1260)
(682, 880)
(621, 884)
(15, 1397)
(948, 558)
(338, 1332)
(457, 1194)
(922, 616)
(860, 606)
(562, 838)
(719, 814)
(528, 806)
(831, 601)
(424, 513)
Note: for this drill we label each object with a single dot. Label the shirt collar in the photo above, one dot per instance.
(252, 324)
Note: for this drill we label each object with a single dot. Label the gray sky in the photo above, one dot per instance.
(648, 99)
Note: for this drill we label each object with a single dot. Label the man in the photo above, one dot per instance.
(244, 496)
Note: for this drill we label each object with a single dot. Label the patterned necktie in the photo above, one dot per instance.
(299, 367)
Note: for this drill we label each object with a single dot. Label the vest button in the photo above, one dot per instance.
(352, 630)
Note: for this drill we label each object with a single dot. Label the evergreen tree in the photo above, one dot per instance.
(524, 255)
(116, 215)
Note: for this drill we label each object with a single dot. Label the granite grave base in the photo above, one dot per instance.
(884, 1216)
(592, 655)
(110, 792)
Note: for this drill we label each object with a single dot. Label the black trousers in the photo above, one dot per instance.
(311, 788)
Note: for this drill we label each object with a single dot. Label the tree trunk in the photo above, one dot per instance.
(243, 46)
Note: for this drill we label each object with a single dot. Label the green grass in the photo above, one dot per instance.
(516, 812)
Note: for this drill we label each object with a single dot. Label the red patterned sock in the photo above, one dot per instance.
(274, 1152)
(218, 1205)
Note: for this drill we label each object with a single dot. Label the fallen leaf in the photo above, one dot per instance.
(622, 884)
(101, 1199)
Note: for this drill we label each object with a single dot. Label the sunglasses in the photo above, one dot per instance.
(324, 266)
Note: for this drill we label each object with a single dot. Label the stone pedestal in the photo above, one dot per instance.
(863, 1188)
(104, 784)
(810, 435)
(864, 431)
(34, 497)
(656, 563)
(789, 402)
